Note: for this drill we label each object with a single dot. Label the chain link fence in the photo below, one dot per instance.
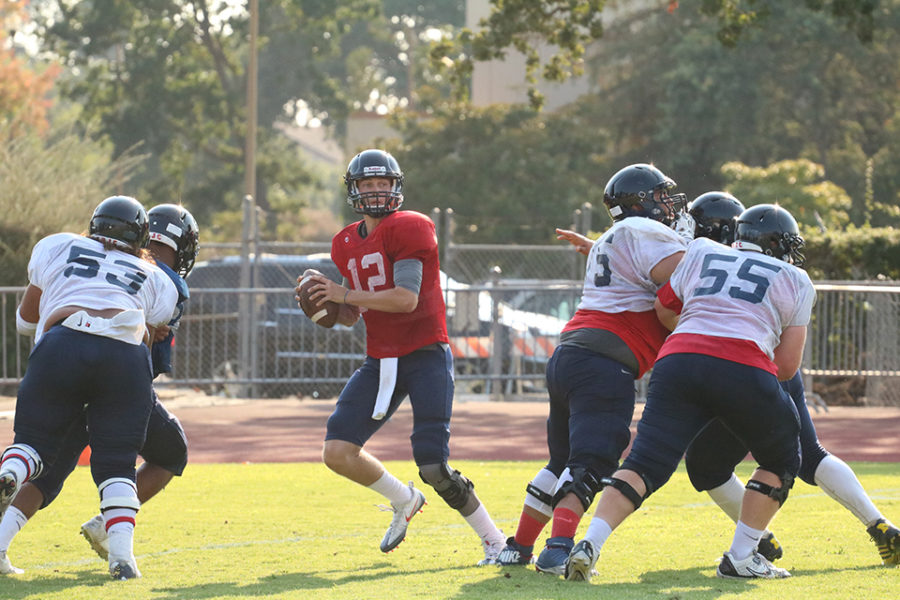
(244, 335)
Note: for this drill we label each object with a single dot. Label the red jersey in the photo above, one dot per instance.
(368, 264)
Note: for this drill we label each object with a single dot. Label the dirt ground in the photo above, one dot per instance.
(291, 430)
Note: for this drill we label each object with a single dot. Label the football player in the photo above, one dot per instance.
(714, 453)
(389, 261)
(93, 304)
(612, 339)
(739, 318)
(174, 244)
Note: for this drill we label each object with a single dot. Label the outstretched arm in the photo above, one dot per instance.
(582, 243)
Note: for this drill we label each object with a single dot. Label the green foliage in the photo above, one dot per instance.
(857, 253)
(566, 25)
(50, 184)
(797, 185)
(798, 87)
(737, 16)
(308, 533)
(510, 174)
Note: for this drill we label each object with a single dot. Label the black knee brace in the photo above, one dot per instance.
(779, 494)
(584, 484)
(449, 484)
(538, 493)
(627, 489)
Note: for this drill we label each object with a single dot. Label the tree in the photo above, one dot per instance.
(569, 26)
(508, 172)
(25, 84)
(797, 185)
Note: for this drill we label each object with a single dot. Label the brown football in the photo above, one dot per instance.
(323, 315)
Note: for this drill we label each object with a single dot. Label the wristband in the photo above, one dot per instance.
(345, 295)
(26, 328)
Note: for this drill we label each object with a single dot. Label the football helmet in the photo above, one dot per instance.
(174, 226)
(714, 214)
(120, 220)
(642, 190)
(374, 163)
(772, 230)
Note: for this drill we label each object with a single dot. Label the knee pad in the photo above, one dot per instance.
(120, 496)
(449, 484)
(627, 490)
(584, 484)
(779, 494)
(27, 455)
(538, 493)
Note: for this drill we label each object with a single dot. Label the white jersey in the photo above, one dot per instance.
(73, 270)
(617, 277)
(740, 294)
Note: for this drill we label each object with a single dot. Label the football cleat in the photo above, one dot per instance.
(515, 553)
(403, 514)
(553, 557)
(94, 531)
(887, 539)
(9, 485)
(753, 567)
(492, 552)
(6, 567)
(581, 561)
(769, 547)
(123, 568)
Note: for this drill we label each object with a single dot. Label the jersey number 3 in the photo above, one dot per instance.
(88, 262)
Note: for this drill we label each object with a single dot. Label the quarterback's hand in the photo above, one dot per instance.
(582, 243)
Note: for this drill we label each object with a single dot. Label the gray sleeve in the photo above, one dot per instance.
(408, 274)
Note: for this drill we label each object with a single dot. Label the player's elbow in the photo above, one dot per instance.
(407, 300)
(789, 353)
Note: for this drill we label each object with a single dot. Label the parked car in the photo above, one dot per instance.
(491, 330)
(289, 354)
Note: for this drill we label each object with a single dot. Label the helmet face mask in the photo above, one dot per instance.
(772, 230)
(371, 164)
(121, 221)
(175, 227)
(715, 214)
(642, 190)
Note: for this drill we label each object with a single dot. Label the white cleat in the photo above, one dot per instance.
(754, 566)
(6, 567)
(9, 486)
(94, 531)
(492, 550)
(581, 561)
(403, 514)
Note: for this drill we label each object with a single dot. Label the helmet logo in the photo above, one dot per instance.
(374, 171)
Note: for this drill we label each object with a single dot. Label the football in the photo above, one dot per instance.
(323, 315)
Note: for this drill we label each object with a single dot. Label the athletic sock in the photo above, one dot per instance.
(484, 526)
(392, 488)
(12, 523)
(529, 530)
(839, 481)
(598, 532)
(745, 541)
(565, 523)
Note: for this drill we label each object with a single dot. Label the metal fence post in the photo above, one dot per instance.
(494, 383)
(244, 301)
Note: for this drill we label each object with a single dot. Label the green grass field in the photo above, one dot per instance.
(243, 531)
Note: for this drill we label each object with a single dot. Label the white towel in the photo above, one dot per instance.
(387, 379)
(126, 326)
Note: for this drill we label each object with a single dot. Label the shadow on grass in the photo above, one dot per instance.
(13, 587)
(697, 583)
(272, 585)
